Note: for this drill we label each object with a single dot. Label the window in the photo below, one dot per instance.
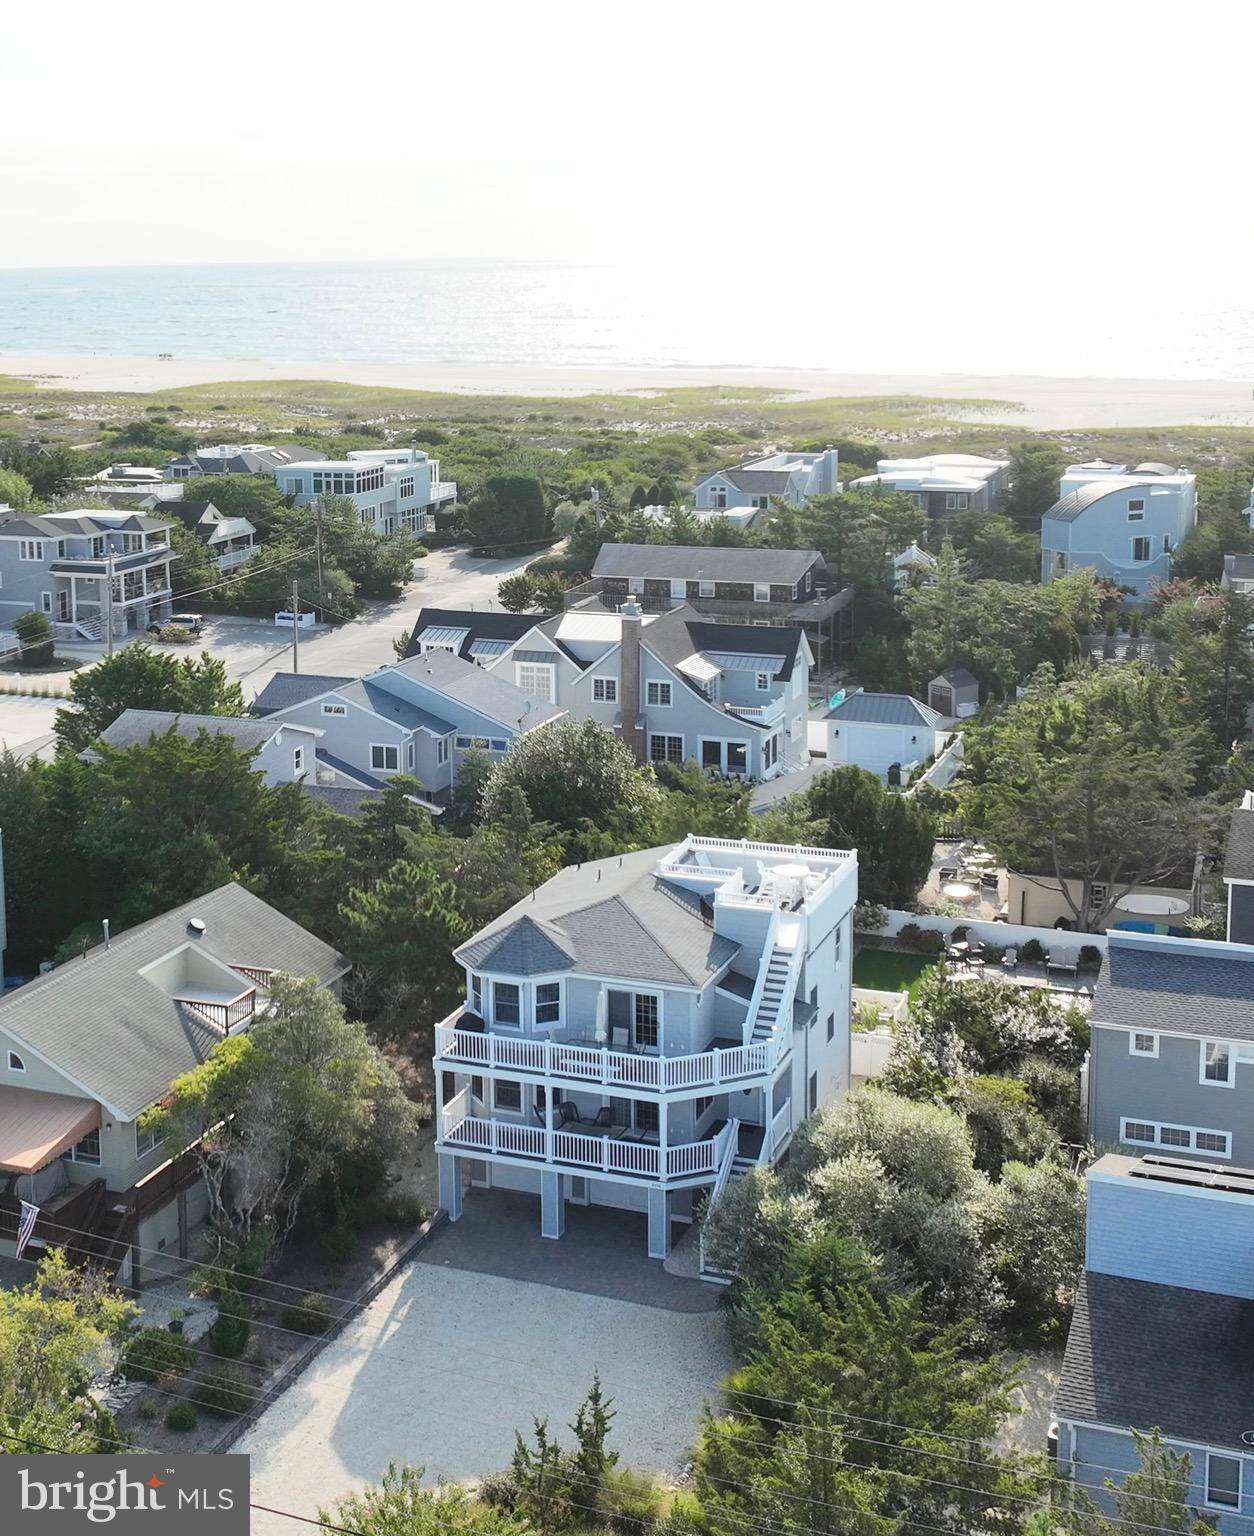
(87, 1151)
(16, 1064)
(505, 1008)
(762, 681)
(1142, 1045)
(30, 549)
(666, 749)
(718, 498)
(384, 758)
(605, 690)
(1140, 1132)
(831, 1026)
(1140, 550)
(1174, 1136)
(145, 1141)
(759, 503)
(463, 743)
(441, 751)
(1136, 509)
(658, 695)
(711, 755)
(1216, 1063)
(498, 744)
(476, 994)
(548, 1002)
(1149, 1133)
(335, 709)
(701, 1107)
(1223, 1481)
(737, 756)
(761, 592)
(645, 1019)
(813, 1095)
(298, 760)
(646, 1116)
(957, 501)
(535, 678)
(679, 588)
(507, 1095)
(45, 601)
(1211, 1141)
(409, 755)
(705, 589)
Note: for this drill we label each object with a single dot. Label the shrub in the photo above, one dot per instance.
(1090, 957)
(1033, 1221)
(312, 1314)
(338, 1240)
(181, 1416)
(404, 1211)
(630, 1502)
(500, 1490)
(175, 634)
(931, 942)
(1005, 1125)
(229, 1334)
(1055, 1090)
(34, 630)
(146, 1407)
(154, 1352)
(1033, 951)
(910, 934)
(227, 1390)
(869, 917)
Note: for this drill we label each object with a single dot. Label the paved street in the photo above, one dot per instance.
(490, 1326)
(26, 724)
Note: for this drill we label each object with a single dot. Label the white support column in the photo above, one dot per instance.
(451, 1185)
(552, 1204)
(659, 1223)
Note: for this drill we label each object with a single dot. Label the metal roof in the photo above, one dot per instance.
(884, 709)
(745, 661)
(443, 634)
(479, 648)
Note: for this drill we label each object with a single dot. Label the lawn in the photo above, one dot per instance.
(890, 970)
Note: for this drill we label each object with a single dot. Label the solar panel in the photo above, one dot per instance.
(1175, 1170)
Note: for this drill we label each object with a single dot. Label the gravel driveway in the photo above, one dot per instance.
(490, 1326)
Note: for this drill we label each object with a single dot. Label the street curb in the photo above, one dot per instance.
(296, 1367)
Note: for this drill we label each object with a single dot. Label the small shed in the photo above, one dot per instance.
(954, 693)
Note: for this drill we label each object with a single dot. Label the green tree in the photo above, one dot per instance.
(58, 1334)
(401, 933)
(508, 509)
(34, 630)
(1032, 1218)
(377, 564)
(15, 490)
(50, 469)
(195, 571)
(892, 833)
(302, 1093)
(994, 548)
(1212, 661)
(1035, 470)
(137, 677)
(1154, 1498)
(856, 532)
(41, 809)
(517, 593)
(256, 497)
(1222, 524)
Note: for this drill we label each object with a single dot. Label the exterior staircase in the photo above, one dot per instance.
(775, 993)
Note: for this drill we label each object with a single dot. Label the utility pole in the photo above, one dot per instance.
(318, 512)
(109, 602)
(295, 625)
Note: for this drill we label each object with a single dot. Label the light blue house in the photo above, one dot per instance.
(1160, 1338)
(1124, 524)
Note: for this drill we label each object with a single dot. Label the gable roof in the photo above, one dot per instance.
(1239, 857)
(287, 688)
(136, 726)
(121, 1037)
(1181, 986)
(613, 917)
(478, 626)
(471, 686)
(1148, 1356)
(957, 677)
(675, 635)
(884, 709)
(705, 562)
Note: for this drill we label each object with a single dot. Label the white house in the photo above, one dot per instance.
(641, 1028)
(885, 733)
(392, 488)
(793, 477)
(942, 484)
(912, 567)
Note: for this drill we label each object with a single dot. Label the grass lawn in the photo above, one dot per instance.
(890, 970)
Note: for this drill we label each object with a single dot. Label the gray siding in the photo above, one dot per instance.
(1104, 1453)
(1241, 914)
(1200, 1240)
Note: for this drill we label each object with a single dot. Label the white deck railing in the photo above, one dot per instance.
(575, 1149)
(718, 1068)
(779, 1131)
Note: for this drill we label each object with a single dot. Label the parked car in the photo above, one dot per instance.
(189, 621)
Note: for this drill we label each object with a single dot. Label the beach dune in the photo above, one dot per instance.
(1042, 404)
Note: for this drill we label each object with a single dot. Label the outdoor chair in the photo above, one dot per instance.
(989, 880)
(603, 1119)
(1010, 960)
(948, 872)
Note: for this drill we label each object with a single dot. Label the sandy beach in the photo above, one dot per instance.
(1040, 403)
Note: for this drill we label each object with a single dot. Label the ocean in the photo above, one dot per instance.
(662, 314)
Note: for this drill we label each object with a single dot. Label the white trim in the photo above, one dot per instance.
(1216, 1082)
(1206, 1498)
(91, 1093)
(16, 1064)
(658, 683)
(609, 686)
(1157, 1142)
(668, 737)
(1134, 1050)
(385, 747)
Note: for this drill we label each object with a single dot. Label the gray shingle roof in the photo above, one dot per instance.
(387, 706)
(478, 626)
(703, 562)
(135, 726)
(478, 689)
(884, 709)
(344, 798)
(770, 482)
(1151, 987)
(120, 1035)
(1239, 857)
(674, 636)
(610, 918)
(1151, 1356)
(287, 688)
(958, 677)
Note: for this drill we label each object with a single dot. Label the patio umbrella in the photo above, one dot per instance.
(603, 1016)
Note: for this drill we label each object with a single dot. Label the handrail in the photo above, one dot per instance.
(721, 1181)
(759, 985)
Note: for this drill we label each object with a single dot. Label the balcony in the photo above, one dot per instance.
(824, 605)
(121, 560)
(733, 1066)
(611, 1151)
(758, 714)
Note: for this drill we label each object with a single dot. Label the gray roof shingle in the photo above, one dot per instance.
(478, 689)
(705, 562)
(478, 626)
(884, 709)
(287, 688)
(121, 1036)
(611, 918)
(1239, 857)
(957, 677)
(1209, 992)
(136, 726)
(1148, 1356)
(674, 636)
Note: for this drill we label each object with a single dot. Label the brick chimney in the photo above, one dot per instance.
(629, 699)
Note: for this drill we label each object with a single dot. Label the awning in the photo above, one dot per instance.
(36, 1127)
(698, 667)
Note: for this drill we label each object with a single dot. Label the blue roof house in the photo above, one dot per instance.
(1124, 524)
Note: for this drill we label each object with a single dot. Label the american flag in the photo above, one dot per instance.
(25, 1226)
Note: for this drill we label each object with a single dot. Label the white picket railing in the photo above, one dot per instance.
(721, 1179)
(780, 1130)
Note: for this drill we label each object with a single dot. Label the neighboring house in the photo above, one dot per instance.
(1239, 574)
(59, 563)
(913, 567)
(954, 694)
(1036, 899)
(732, 697)
(746, 586)
(237, 459)
(1238, 872)
(886, 733)
(420, 717)
(944, 485)
(392, 488)
(125, 480)
(642, 1027)
(91, 1045)
(230, 540)
(792, 477)
(1160, 1337)
(1124, 524)
(1171, 1059)
(285, 752)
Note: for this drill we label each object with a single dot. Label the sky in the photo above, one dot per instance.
(915, 143)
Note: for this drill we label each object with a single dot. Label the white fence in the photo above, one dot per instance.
(945, 768)
(869, 1052)
(891, 1005)
(988, 932)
